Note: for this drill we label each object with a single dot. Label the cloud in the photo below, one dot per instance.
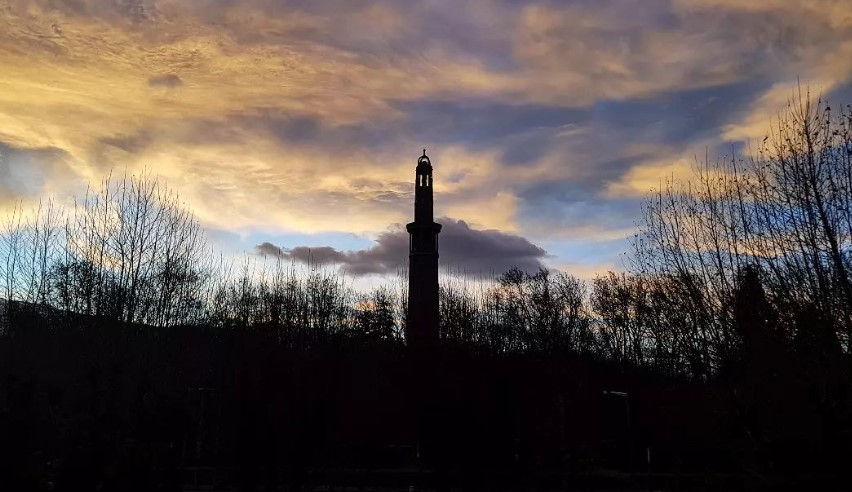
(588, 271)
(268, 249)
(274, 117)
(462, 249)
(29, 175)
(483, 251)
(169, 80)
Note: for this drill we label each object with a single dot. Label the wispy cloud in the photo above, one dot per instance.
(545, 119)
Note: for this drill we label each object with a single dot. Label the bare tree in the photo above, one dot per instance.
(784, 209)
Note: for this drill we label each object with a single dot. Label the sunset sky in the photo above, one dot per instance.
(297, 124)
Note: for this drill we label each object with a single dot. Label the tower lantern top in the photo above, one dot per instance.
(424, 159)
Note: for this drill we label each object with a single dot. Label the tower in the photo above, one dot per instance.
(422, 322)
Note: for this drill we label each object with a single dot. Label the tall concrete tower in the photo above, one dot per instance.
(422, 322)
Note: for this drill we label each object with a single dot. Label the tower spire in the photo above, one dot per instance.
(422, 321)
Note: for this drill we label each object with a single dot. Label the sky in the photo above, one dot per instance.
(293, 128)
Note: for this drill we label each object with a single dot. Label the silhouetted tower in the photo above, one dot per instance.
(422, 322)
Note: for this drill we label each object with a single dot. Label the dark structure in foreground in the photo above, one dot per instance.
(96, 405)
(422, 322)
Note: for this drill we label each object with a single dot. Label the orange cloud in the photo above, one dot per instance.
(171, 86)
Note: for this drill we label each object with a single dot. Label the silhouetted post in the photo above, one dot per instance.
(422, 323)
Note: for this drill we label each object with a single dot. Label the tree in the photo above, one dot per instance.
(784, 210)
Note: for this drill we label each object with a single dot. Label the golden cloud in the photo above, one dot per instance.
(168, 86)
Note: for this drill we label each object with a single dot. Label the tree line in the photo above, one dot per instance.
(131, 251)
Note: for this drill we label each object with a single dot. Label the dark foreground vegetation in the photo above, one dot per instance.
(132, 359)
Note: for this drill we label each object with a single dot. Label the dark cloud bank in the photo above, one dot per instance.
(463, 248)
